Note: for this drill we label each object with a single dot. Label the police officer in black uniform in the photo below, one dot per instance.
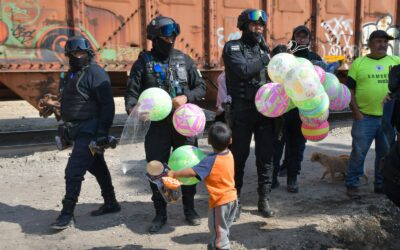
(87, 109)
(245, 66)
(391, 165)
(175, 72)
(295, 141)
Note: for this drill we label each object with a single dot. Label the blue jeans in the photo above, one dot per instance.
(363, 133)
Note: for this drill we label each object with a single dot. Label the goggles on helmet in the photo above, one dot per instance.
(170, 29)
(78, 44)
(255, 15)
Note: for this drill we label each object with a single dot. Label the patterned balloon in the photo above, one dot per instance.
(316, 121)
(279, 65)
(156, 102)
(302, 83)
(189, 120)
(271, 100)
(315, 133)
(331, 85)
(312, 103)
(320, 110)
(321, 73)
(304, 62)
(342, 101)
(185, 157)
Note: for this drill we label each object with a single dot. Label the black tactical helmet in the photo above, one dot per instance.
(251, 15)
(162, 26)
(78, 43)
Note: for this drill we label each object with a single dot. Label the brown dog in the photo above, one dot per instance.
(333, 165)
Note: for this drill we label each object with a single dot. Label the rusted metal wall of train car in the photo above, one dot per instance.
(381, 15)
(284, 15)
(33, 33)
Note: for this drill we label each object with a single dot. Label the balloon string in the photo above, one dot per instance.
(296, 47)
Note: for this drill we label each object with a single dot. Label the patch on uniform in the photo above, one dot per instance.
(235, 48)
(379, 67)
(199, 73)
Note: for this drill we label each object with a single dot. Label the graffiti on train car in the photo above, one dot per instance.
(231, 36)
(22, 36)
(338, 34)
(385, 23)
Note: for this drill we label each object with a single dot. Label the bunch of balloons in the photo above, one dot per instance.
(299, 83)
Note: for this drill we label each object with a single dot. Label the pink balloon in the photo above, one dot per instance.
(342, 100)
(320, 72)
(189, 120)
(271, 100)
(315, 133)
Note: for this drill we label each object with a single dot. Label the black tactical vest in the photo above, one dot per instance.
(76, 103)
(245, 90)
(171, 77)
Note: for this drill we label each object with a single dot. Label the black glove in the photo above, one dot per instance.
(101, 138)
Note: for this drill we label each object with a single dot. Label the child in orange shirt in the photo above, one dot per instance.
(217, 169)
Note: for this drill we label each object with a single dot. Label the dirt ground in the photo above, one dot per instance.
(320, 216)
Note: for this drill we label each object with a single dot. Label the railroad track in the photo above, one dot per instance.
(27, 142)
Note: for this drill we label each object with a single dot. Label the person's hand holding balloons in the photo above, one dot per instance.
(179, 101)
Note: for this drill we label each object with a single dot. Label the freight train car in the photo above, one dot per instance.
(33, 34)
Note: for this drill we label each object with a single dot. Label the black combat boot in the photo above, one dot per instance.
(66, 218)
(160, 219)
(191, 216)
(292, 186)
(263, 204)
(110, 205)
(275, 182)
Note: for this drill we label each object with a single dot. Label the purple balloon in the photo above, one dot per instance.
(342, 100)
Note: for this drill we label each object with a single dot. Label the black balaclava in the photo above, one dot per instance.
(78, 63)
(303, 52)
(161, 48)
(249, 37)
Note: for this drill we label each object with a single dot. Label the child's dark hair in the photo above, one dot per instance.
(219, 136)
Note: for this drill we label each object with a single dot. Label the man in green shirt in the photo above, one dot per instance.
(368, 84)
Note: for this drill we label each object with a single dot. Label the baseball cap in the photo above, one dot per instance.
(380, 34)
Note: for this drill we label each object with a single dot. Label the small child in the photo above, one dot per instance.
(217, 169)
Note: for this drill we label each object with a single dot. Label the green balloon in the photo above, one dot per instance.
(156, 102)
(185, 157)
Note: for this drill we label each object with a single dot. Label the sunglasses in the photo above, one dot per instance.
(255, 16)
(170, 29)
